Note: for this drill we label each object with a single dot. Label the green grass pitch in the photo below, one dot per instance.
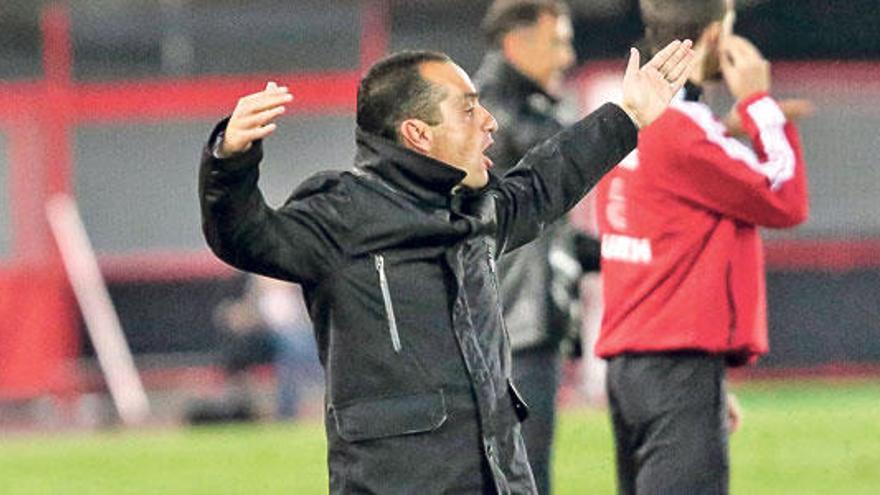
(797, 438)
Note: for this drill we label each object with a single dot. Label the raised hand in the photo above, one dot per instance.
(253, 118)
(647, 91)
(745, 70)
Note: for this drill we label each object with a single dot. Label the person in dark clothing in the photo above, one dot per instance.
(397, 256)
(519, 81)
(267, 324)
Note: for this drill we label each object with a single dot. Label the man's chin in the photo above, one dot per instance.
(476, 180)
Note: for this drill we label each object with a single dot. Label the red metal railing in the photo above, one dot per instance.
(37, 315)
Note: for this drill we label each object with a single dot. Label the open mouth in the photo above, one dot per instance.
(487, 162)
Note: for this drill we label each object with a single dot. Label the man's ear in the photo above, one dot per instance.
(513, 42)
(417, 135)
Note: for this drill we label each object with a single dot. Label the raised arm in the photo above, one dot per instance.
(291, 243)
(556, 174)
(766, 186)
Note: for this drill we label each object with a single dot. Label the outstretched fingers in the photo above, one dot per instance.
(647, 91)
(253, 118)
(260, 109)
(260, 132)
(265, 117)
(632, 66)
(663, 55)
(260, 102)
(678, 63)
(681, 70)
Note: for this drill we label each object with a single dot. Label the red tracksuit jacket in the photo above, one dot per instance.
(682, 260)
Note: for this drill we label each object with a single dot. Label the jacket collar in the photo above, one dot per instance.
(420, 176)
(689, 92)
(497, 71)
(692, 92)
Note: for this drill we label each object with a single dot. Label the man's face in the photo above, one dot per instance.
(546, 49)
(465, 133)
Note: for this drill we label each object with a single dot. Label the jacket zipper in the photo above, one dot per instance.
(493, 274)
(491, 253)
(386, 298)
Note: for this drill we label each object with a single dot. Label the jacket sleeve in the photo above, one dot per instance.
(552, 177)
(766, 187)
(241, 229)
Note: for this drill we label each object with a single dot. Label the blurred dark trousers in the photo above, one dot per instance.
(287, 375)
(296, 365)
(536, 375)
(669, 415)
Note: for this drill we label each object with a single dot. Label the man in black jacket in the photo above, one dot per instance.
(519, 82)
(397, 262)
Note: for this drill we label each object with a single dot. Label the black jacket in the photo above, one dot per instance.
(398, 274)
(539, 282)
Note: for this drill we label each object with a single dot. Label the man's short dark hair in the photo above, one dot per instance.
(394, 90)
(669, 20)
(504, 16)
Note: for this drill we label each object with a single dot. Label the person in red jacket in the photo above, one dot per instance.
(682, 260)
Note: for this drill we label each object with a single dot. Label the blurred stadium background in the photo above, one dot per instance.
(109, 101)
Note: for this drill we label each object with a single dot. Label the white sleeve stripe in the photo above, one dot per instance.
(779, 166)
(771, 125)
(766, 112)
(715, 133)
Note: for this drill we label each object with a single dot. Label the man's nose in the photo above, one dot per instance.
(491, 125)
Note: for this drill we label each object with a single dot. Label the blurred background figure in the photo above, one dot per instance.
(682, 259)
(521, 82)
(268, 324)
(295, 356)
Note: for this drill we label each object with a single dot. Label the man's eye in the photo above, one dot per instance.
(470, 110)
